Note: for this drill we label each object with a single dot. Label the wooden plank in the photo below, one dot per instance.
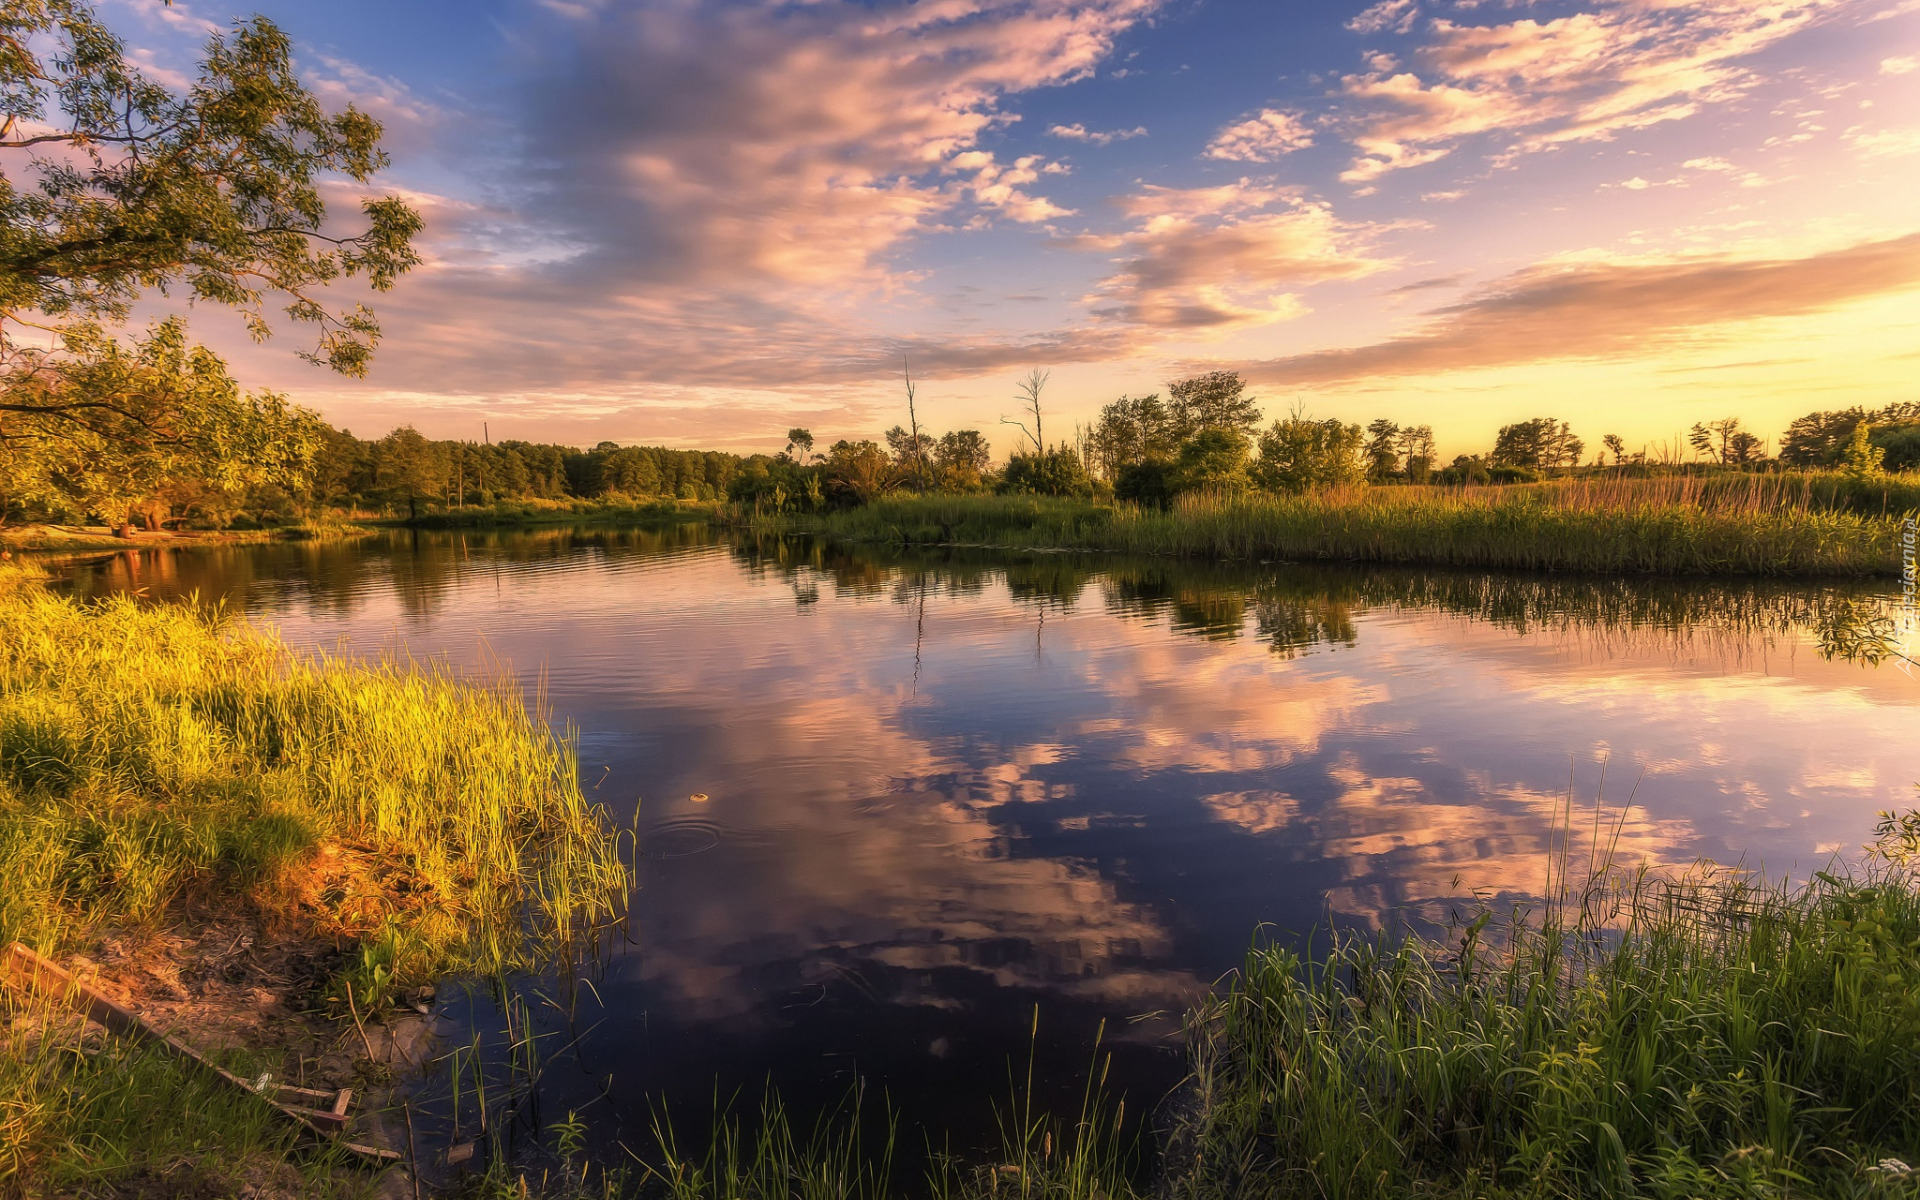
(29, 972)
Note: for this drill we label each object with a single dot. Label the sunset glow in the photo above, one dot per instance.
(699, 222)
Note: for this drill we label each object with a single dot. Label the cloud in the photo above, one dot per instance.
(998, 187)
(1080, 133)
(1883, 143)
(1261, 138)
(1611, 310)
(706, 143)
(1904, 65)
(1424, 285)
(1223, 257)
(721, 194)
(1388, 16)
(1587, 76)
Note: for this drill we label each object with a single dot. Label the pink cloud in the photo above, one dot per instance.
(1624, 65)
(1611, 310)
(1223, 257)
(1261, 138)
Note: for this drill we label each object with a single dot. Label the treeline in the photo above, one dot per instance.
(405, 472)
(1205, 435)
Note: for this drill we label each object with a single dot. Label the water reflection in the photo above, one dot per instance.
(947, 786)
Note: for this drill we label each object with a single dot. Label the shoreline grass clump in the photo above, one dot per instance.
(165, 767)
(155, 754)
(1605, 527)
(1710, 1036)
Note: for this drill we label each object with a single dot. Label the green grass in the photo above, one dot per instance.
(1636, 1037)
(87, 1116)
(157, 760)
(58, 538)
(612, 510)
(1708, 1036)
(1671, 527)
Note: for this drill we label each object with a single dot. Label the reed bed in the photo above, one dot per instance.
(1713, 1035)
(1682, 526)
(163, 764)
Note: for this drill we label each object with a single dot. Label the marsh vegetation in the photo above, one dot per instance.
(1751, 526)
(162, 765)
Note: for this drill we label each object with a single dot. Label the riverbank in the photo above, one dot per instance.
(1574, 526)
(1636, 1036)
(514, 513)
(1707, 1035)
(34, 539)
(271, 853)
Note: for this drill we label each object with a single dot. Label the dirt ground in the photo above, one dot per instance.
(228, 984)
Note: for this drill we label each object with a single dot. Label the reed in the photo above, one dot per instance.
(1679, 526)
(1713, 1035)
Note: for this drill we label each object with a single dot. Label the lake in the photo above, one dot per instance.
(893, 807)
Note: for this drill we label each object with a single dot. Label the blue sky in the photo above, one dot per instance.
(702, 221)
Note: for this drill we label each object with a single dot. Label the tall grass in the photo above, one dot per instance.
(1678, 527)
(1742, 491)
(1708, 1036)
(154, 753)
(1040, 1155)
(165, 763)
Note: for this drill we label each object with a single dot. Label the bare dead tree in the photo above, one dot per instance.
(1029, 394)
(913, 428)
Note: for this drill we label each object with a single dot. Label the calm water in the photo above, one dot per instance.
(946, 789)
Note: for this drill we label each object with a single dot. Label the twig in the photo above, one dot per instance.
(357, 1025)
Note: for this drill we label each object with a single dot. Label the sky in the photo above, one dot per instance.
(699, 223)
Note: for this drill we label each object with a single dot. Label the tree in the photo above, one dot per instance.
(799, 444)
(1133, 430)
(912, 451)
(1382, 450)
(1725, 442)
(859, 472)
(1299, 453)
(1216, 400)
(1415, 446)
(1029, 394)
(408, 468)
(1540, 442)
(1466, 468)
(129, 186)
(1820, 439)
(218, 188)
(1212, 460)
(1615, 447)
(158, 416)
(961, 459)
(1861, 457)
(920, 445)
(1058, 472)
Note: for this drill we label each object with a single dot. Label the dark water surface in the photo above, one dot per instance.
(946, 788)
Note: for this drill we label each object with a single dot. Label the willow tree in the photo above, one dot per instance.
(114, 185)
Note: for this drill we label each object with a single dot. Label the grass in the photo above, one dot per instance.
(1679, 526)
(612, 510)
(1707, 1036)
(1636, 1037)
(99, 537)
(162, 763)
